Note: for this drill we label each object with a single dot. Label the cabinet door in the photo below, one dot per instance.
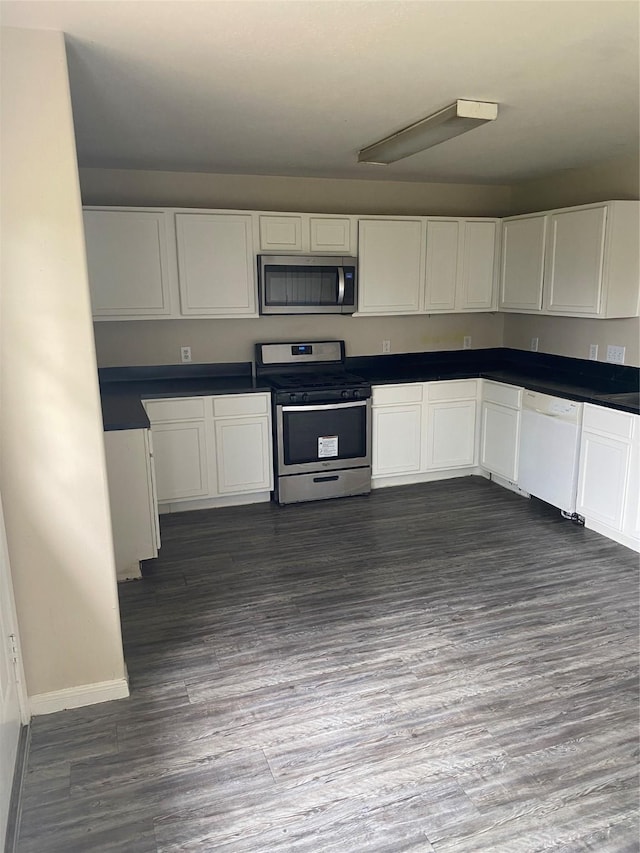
(330, 234)
(499, 440)
(573, 283)
(441, 264)
(391, 266)
(134, 512)
(216, 264)
(127, 263)
(522, 268)
(604, 463)
(396, 440)
(243, 455)
(451, 434)
(631, 518)
(180, 457)
(281, 233)
(478, 273)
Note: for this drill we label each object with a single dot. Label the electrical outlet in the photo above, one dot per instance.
(615, 354)
(386, 346)
(593, 352)
(534, 345)
(466, 342)
(185, 353)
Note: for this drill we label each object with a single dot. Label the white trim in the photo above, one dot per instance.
(211, 503)
(77, 697)
(508, 484)
(130, 573)
(426, 477)
(617, 535)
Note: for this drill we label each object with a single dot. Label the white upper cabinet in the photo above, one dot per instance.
(576, 253)
(304, 232)
(331, 234)
(461, 265)
(477, 285)
(522, 267)
(128, 263)
(216, 264)
(390, 265)
(581, 261)
(280, 233)
(442, 264)
(574, 262)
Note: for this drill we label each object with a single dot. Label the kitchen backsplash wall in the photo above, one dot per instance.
(572, 336)
(159, 341)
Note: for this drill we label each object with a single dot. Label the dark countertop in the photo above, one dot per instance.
(603, 384)
(123, 389)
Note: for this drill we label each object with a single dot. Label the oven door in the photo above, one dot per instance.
(323, 436)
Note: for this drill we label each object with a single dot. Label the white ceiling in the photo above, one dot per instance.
(296, 87)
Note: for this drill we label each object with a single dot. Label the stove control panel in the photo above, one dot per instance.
(322, 395)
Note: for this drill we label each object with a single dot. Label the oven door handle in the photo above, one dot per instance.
(340, 285)
(323, 406)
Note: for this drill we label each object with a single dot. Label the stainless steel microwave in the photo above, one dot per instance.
(307, 284)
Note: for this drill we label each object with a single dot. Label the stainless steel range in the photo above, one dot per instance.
(322, 421)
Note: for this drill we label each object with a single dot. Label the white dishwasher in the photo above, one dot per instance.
(550, 449)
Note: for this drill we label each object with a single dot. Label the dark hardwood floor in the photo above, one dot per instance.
(445, 667)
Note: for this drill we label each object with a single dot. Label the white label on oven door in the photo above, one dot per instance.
(327, 446)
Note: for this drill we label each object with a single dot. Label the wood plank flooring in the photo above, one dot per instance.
(445, 667)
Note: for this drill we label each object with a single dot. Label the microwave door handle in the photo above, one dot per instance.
(340, 285)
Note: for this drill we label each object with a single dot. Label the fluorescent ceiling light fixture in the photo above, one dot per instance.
(451, 121)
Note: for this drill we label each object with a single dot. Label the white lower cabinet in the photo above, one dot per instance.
(424, 427)
(211, 447)
(396, 429)
(132, 498)
(500, 429)
(450, 436)
(243, 454)
(180, 460)
(397, 432)
(608, 477)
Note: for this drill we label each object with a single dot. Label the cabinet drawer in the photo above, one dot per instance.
(460, 389)
(609, 421)
(183, 409)
(391, 395)
(504, 395)
(237, 405)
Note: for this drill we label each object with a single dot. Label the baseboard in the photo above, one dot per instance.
(508, 484)
(213, 503)
(15, 803)
(425, 477)
(610, 533)
(77, 697)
